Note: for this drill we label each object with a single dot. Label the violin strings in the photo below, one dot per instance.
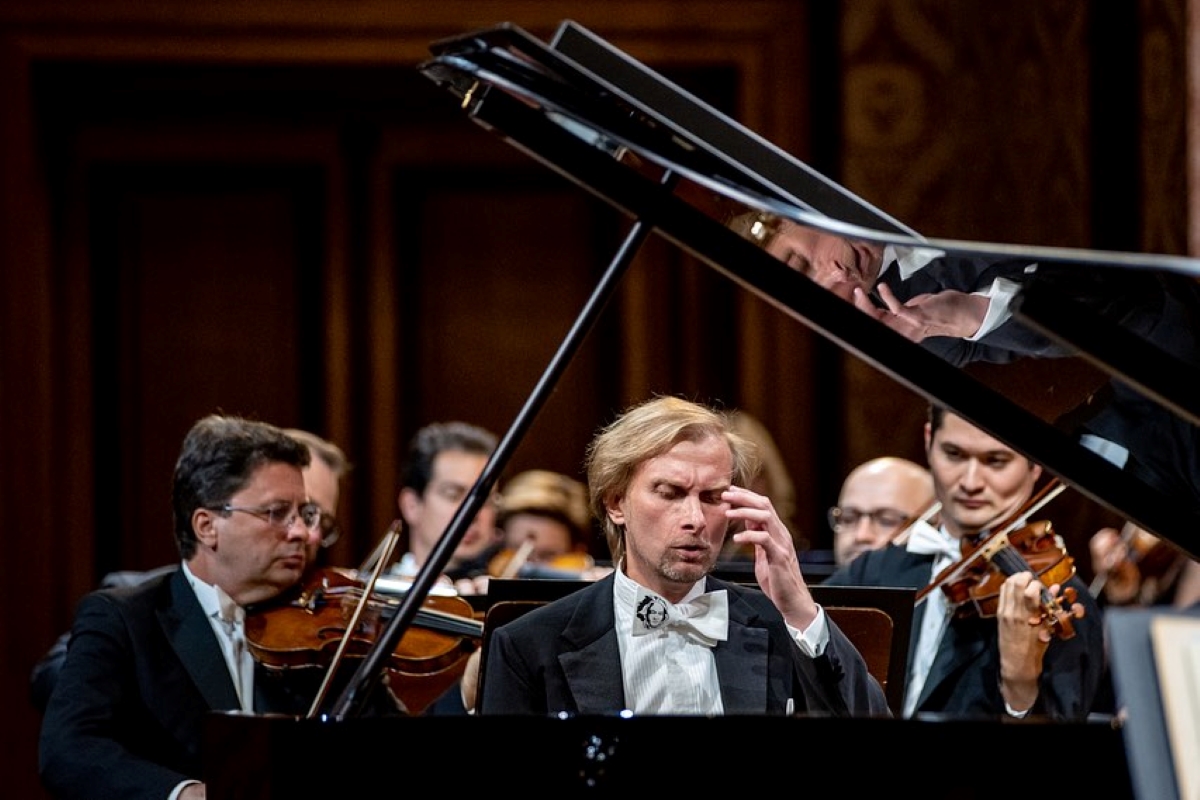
(1010, 562)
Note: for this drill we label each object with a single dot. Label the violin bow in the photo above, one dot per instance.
(910, 524)
(381, 556)
(1053, 488)
(513, 567)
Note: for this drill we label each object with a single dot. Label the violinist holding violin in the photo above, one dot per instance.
(147, 663)
(1033, 649)
(1135, 567)
(443, 462)
(547, 529)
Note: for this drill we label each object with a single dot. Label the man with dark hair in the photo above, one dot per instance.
(327, 466)
(443, 462)
(147, 663)
(1011, 663)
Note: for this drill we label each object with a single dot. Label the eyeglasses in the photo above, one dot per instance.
(886, 518)
(281, 515)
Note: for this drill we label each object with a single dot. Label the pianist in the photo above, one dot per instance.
(659, 635)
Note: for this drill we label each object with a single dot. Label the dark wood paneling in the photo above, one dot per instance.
(201, 307)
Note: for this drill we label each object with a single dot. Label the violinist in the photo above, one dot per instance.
(147, 663)
(1135, 567)
(1007, 663)
(327, 467)
(547, 529)
(443, 462)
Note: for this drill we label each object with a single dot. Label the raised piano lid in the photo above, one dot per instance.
(1101, 346)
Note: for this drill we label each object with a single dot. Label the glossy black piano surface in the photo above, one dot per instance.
(260, 757)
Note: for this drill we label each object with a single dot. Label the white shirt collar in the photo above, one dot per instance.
(206, 593)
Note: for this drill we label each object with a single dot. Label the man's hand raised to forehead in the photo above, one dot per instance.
(776, 566)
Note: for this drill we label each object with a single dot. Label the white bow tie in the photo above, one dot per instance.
(928, 540)
(705, 618)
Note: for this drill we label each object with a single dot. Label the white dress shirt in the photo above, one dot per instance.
(665, 671)
(230, 628)
(909, 260)
(670, 671)
(926, 539)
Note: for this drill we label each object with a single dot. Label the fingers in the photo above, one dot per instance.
(750, 507)
(889, 298)
(863, 303)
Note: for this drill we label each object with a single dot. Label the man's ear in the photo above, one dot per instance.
(204, 525)
(614, 510)
(409, 504)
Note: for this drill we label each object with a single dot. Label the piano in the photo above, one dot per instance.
(679, 169)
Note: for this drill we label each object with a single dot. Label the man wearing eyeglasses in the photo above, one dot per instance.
(147, 663)
(326, 468)
(323, 481)
(878, 497)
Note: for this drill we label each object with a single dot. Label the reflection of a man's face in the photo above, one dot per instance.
(835, 263)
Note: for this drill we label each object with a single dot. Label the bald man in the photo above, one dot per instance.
(877, 497)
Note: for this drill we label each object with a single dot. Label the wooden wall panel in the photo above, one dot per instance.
(1164, 109)
(207, 317)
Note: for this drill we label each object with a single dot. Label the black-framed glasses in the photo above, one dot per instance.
(281, 515)
(886, 518)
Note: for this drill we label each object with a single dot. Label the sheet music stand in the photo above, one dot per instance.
(1140, 701)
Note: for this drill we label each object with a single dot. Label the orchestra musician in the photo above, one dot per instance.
(876, 500)
(147, 663)
(1135, 567)
(1006, 664)
(443, 462)
(547, 528)
(327, 466)
(660, 635)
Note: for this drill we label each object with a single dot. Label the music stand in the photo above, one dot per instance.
(1140, 701)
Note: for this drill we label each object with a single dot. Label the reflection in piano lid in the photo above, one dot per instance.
(1068, 355)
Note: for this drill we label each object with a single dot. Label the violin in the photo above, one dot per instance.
(972, 585)
(333, 616)
(1149, 568)
(510, 563)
